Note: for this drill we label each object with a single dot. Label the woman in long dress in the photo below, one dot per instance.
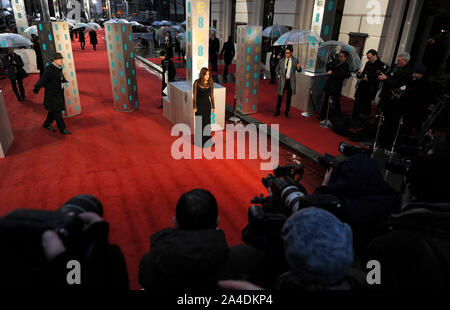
(203, 105)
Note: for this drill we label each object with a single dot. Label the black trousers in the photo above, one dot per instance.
(21, 89)
(94, 45)
(55, 115)
(335, 107)
(225, 72)
(273, 75)
(362, 106)
(214, 61)
(82, 45)
(288, 90)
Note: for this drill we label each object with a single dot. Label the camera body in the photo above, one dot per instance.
(267, 215)
(21, 230)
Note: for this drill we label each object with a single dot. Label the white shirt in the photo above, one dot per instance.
(288, 71)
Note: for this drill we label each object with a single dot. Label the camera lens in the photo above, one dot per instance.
(291, 196)
(83, 203)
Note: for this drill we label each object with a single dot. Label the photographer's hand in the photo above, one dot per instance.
(52, 244)
(330, 72)
(90, 218)
(382, 77)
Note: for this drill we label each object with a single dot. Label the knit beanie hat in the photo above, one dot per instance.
(318, 247)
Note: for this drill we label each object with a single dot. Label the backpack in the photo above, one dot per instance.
(340, 124)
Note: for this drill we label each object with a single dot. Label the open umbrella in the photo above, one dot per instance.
(161, 32)
(299, 37)
(13, 40)
(30, 30)
(165, 23)
(135, 23)
(330, 48)
(274, 32)
(79, 25)
(93, 26)
(70, 22)
(178, 28)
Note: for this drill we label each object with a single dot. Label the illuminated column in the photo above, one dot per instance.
(87, 9)
(20, 15)
(321, 24)
(197, 45)
(119, 41)
(108, 8)
(45, 17)
(247, 68)
(6, 133)
(56, 9)
(54, 38)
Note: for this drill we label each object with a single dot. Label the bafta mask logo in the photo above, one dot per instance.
(74, 10)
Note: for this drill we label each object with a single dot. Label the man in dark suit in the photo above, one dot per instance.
(228, 51)
(14, 66)
(338, 71)
(391, 105)
(168, 74)
(214, 48)
(82, 38)
(286, 69)
(53, 81)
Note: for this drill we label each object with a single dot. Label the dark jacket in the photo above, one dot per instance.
(228, 51)
(39, 60)
(369, 88)
(335, 81)
(214, 45)
(415, 253)
(52, 80)
(183, 259)
(418, 97)
(81, 36)
(15, 71)
(367, 200)
(397, 77)
(168, 66)
(274, 58)
(93, 37)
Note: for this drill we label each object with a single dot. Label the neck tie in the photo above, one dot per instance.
(287, 67)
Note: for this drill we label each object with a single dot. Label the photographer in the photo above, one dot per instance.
(195, 254)
(367, 86)
(338, 70)
(367, 199)
(37, 245)
(415, 251)
(319, 252)
(390, 97)
(417, 99)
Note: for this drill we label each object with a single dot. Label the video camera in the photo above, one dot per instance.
(286, 196)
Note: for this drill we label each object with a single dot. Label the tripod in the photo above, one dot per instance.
(394, 144)
(326, 123)
(380, 123)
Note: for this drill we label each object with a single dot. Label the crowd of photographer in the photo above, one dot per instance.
(321, 241)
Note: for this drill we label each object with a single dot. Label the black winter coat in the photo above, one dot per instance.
(369, 88)
(93, 37)
(183, 259)
(214, 45)
(168, 66)
(52, 80)
(228, 51)
(15, 71)
(367, 200)
(398, 77)
(39, 60)
(416, 252)
(334, 82)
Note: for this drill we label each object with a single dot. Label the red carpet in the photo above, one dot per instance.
(122, 158)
